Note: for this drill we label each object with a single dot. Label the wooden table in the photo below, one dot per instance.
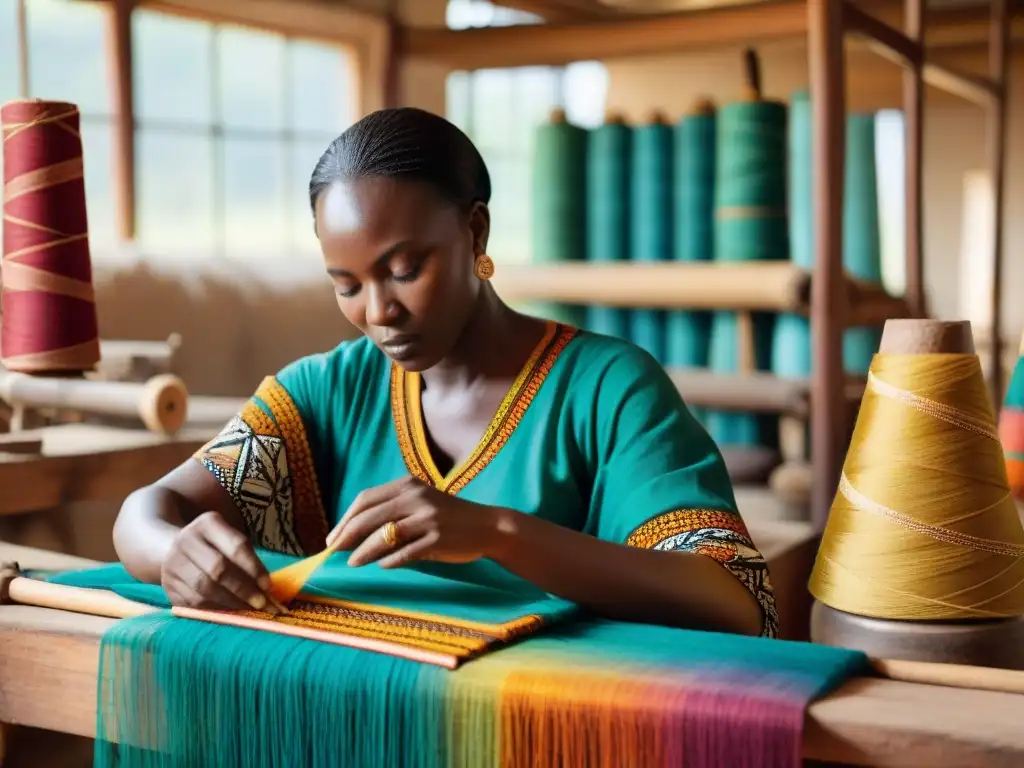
(87, 462)
(49, 663)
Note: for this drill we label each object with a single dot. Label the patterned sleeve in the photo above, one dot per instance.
(722, 536)
(264, 460)
(660, 482)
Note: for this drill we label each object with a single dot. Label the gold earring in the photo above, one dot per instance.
(484, 267)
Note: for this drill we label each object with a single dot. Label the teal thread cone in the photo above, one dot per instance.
(559, 217)
(609, 179)
(651, 222)
(750, 225)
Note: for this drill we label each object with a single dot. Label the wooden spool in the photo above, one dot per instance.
(161, 403)
(981, 642)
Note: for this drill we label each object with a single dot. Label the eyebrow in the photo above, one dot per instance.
(380, 260)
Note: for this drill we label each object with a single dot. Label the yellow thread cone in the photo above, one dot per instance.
(923, 526)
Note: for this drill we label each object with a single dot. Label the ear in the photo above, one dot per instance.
(480, 227)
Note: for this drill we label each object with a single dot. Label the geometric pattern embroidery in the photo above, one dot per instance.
(722, 536)
(254, 470)
(263, 459)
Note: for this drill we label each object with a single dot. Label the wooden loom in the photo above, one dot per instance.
(833, 304)
(49, 668)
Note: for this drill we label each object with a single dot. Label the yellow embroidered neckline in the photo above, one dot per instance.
(412, 436)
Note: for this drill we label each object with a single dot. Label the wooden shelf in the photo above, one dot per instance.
(758, 392)
(759, 286)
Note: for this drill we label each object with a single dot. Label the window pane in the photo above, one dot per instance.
(458, 101)
(174, 184)
(173, 62)
(510, 208)
(304, 155)
(8, 51)
(493, 107)
(250, 79)
(67, 46)
(321, 88)
(97, 151)
(254, 204)
(586, 93)
(889, 164)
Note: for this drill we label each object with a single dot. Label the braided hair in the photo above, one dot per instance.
(406, 143)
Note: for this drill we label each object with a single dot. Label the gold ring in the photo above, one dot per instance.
(390, 534)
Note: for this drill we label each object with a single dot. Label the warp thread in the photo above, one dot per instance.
(1011, 427)
(559, 214)
(923, 526)
(49, 322)
(609, 176)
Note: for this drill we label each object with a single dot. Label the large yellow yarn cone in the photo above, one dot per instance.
(923, 526)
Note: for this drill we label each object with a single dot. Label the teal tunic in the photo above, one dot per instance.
(592, 435)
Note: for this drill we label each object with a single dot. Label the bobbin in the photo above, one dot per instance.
(977, 642)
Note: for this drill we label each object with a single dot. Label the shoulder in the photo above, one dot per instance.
(615, 367)
(344, 366)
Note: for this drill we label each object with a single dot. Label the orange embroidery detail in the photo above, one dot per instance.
(412, 441)
(662, 527)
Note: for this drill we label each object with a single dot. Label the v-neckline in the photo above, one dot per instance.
(407, 411)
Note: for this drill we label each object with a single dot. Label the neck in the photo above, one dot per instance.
(494, 344)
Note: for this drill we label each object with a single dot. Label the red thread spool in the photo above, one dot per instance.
(49, 320)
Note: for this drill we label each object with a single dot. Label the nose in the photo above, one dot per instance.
(382, 309)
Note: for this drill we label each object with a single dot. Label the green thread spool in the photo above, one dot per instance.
(651, 220)
(687, 332)
(750, 225)
(861, 236)
(559, 219)
(862, 239)
(609, 179)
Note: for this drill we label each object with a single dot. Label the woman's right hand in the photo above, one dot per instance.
(212, 565)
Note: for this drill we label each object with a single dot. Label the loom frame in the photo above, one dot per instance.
(827, 25)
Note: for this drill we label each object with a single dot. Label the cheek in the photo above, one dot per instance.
(352, 311)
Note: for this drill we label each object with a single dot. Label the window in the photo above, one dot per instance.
(230, 123)
(890, 167)
(500, 110)
(67, 60)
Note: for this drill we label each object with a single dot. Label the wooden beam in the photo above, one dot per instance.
(828, 299)
(885, 40)
(999, 71)
(122, 92)
(913, 116)
(553, 44)
(298, 18)
(978, 90)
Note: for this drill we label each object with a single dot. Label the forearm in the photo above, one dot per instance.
(625, 583)
(149, 521)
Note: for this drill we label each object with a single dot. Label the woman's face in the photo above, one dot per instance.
(401, 260)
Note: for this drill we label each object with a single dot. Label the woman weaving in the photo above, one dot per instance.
(456, 429)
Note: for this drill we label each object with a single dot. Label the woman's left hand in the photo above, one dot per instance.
(425, 524)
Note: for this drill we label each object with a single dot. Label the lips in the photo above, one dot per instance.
(400, 347)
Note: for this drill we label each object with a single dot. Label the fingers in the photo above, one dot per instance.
(369, 499)
(237, 549)
(409, 531)
(200, 590)
(213, 565)
(410, 553)
(364, 524)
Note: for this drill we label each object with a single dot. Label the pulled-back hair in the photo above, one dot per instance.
(411, 144)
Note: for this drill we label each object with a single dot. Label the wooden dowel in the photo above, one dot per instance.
(951, 675)
(94, 602)
(160, 403)
(756, 286)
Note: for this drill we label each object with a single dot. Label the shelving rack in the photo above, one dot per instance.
(830, 298)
